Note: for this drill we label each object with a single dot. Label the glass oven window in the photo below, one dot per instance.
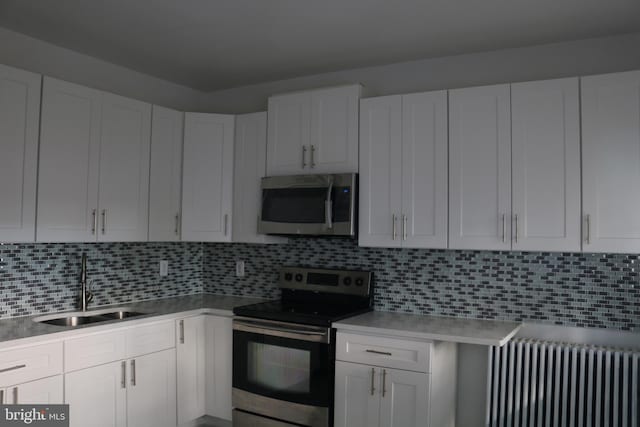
(279, 368)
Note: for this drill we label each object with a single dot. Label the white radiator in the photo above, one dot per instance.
(546, 384)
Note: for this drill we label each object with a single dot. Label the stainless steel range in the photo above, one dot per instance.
(284, 350)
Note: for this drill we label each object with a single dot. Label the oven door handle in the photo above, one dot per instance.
(278, 331)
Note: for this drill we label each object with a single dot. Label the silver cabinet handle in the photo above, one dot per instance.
(177, 229)
(588, 231)
(226, 221)
(304, 156)
(94, 222)
(515, 235)
(504, 228)
(133, 372)
(15, 395)
(393, 225)
(384, 353)
(123, 375)
(12, 368)
(181, 331)
(373, 375)
(104, 220)
(313, 162)
(404, 227)
(384, 382)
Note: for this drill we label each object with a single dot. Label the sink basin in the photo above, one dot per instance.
(85, 318)
(122, 314)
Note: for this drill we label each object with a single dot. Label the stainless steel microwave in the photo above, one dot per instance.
(309, 205)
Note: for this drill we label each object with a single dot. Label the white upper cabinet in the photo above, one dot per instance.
(207, 180)
(165, 184)
(480, 168)
(314, 132)
(289, 125)
(94, 166)
(124, 169)
(611, 162)
(69, 160)
(545, 121)
(380, 183)
(403, 171)
(19, 125)
(333, 144)
(249, 167)
(424, 170)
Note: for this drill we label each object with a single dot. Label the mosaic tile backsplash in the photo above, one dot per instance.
(585, 290)
(43, 278)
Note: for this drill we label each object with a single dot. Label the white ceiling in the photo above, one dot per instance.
(215, 44)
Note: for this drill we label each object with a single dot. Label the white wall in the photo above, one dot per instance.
(21, 51)
(591, 56)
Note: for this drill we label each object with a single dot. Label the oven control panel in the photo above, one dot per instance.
(353, 282)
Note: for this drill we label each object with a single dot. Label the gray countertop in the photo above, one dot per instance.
(453, 329)
(17, 329)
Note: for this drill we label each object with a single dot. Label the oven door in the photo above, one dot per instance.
(308, 204)
(281, 370)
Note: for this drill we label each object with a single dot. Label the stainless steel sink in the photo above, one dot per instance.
(85, 318)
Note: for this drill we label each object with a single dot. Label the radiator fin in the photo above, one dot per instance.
(544, 384)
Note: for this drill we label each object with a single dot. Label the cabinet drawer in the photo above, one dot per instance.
(94, 350)
(384, 352)
(152, 338)
(30, 363)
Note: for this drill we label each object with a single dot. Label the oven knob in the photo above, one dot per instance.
(359, 281)
(288, 277)
(347, 281)
(298, 277)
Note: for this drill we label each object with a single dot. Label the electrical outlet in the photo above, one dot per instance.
(164, 268)
(239, 268)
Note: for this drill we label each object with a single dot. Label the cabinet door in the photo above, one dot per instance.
(42, 392)
(165, 183)
(219, 333)
(97, 396)
(333, 146)
(545, 123)
(405, 400)
(19, 125)
(480, 168)
(207, 181)
(250, 150)
(151, 393)
(357, 395)
(380, 171)
(69, 160)
(424, 170)
(124, 169)
(190, 353)
(611, 162)
(288, 151)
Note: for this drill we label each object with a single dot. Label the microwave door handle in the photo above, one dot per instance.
(328, 207)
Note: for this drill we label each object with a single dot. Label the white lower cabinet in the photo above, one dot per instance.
(374, 396)
(218, 370)
(97, 396)
(370, 391)
(190, 351)
(137, 392)
(357, 403)
(151, 392)
(44, 391)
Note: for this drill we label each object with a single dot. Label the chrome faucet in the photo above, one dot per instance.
(86, 296)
